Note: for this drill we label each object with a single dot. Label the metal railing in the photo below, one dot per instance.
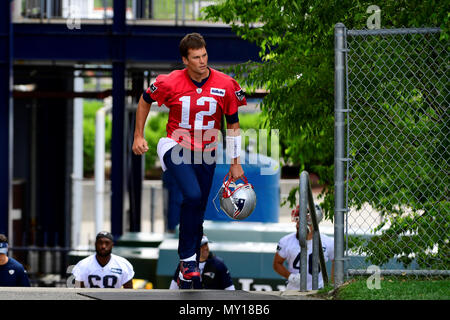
(46, 266)
(307, 201)
(176, 11)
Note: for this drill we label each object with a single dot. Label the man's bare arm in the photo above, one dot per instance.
(236, 170)
(278, 266)
(129, 284)
(140, 145)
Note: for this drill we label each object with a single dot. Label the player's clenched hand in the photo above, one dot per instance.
(294, 279)
(140, 146)
(236, 171)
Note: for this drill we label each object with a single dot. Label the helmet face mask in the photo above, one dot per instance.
(237, 200)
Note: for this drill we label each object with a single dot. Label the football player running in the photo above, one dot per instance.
(288, 250)
(103, 269)
(197, 98)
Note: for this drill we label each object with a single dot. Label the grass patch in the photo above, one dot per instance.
(390, 289)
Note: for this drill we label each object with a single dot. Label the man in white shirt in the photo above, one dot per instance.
(103, 269)
(288, 250)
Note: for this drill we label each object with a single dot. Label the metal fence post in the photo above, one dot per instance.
(152, 209)
(307, 201)
(339, 150)
(302, 230)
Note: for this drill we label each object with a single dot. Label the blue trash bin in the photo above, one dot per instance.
(263, 173)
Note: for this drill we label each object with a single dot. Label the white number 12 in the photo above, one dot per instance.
(198, 124)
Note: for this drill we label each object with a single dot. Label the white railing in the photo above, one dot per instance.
(176, 11)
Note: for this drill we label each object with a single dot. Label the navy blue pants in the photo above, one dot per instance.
(174, 200)
(194, 178)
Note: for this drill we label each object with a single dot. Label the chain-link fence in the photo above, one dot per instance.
(394, 110)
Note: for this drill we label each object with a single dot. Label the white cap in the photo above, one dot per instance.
(3, 248)
(204, 240)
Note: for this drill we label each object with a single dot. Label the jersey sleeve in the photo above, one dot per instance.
(159, 90)
(328, 243)
(128, 271)
(282, 248)
(235, 97)
(77, 272)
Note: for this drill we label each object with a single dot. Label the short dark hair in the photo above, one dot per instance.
(191, 41)
(3, 238)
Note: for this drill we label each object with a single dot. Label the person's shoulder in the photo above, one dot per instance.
(218, 263)
(216, 260)
(86, 261)
(174, 75)
(327, 240)
(289, 237)
(325, 237)
(170, 81)
(14, 263)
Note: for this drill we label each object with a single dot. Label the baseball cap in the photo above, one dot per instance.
(4, 247)
(104, 234)
(204, 240)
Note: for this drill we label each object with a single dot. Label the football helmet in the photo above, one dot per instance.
(237, 200)
(296, 213)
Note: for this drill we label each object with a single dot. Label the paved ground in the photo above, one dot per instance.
(141, 294)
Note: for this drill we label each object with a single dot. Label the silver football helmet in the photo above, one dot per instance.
(237, 200)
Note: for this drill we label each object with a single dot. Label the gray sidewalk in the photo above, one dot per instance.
(16, 293)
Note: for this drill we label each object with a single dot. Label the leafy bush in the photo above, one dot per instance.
(90, 107)
(154, 130)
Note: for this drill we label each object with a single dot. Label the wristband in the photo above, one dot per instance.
(233, 146)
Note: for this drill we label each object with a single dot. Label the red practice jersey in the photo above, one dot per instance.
(195, 113)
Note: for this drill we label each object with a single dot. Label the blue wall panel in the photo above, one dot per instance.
(6, 112)
(142, 43)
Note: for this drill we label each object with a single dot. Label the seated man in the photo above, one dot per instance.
(103, 269)
(288, 250)
(12, 273)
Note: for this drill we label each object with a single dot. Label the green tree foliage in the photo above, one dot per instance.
(90, 107)
(153, 131)
(296, 41)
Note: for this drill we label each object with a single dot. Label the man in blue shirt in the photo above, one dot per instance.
(12, 273)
